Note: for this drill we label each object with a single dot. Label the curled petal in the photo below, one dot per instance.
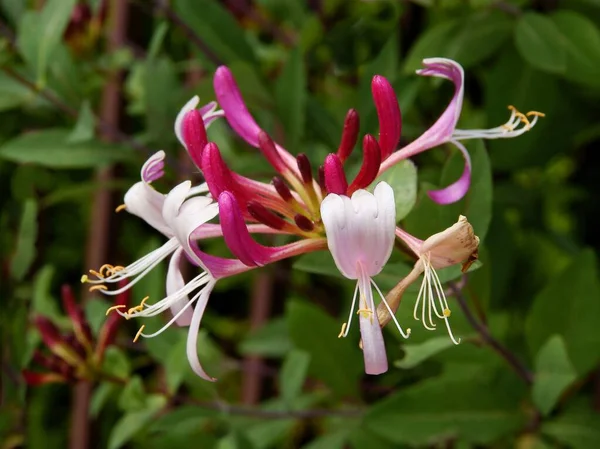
(335, 178)
(441, 131)
(174, 283)
(153, 168)
(451, 246)
(230, 98)
(370, 165)
(459, 188)
(208, 112)
(349, 135)
(388, 112)
(192, 339)
(218, 175)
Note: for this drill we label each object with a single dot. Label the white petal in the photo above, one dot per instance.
(192, 340)
(333, 214)
(145, 202)
(174, 283)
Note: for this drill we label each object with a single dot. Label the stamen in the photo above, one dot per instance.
(341, 334)
(535, 114)
(97, 274)
(405, 335)
(135, 339)
(447, 313)
(139, 307)
(84, 278)
(98, 287)
(364, 312)
(120, 208)
(110, 309)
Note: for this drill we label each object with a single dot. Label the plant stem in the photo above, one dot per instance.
(522, 371)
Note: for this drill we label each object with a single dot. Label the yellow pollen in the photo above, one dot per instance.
(536, 114)
(110, 309)
(118, 268)
(364, 312)
(408, 331)
(508, 127)
(139, 333)
(139, 307)
(84, 278)
(341, 334)
(96, 273)
(120, 208)
(98, 287)
(447, 313)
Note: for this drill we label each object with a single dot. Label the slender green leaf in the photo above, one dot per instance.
(24, 254)
(553, 374)
(293, 374)
(271, 340)
(291, 98)
(84, 128)
(578, 427)
(415, 354)
(50, 148)
(133, 422)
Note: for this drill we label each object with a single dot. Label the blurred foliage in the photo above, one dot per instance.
(534, 201)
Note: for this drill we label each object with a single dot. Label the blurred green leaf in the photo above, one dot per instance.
(101, 395)
(176, 364)
(84, 128)
(553, 374)
(235, 440)
(402, 177)
(569, 306)
(40, 33)
(331, 440)
(582, 41)
(24, 254)
(43, 302)
(337, 361)
(438, 409)
(415, 354)
(540, 43)
(50, 148)
(116, 363)
(217, 28)
(133, 422)
(133, 396)
(12, 93)
(293, 374)
(291, 98)
(578, 427)
(271, 340)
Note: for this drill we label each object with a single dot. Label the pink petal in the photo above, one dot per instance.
(349, 135)
(458, 189)
(388, 112)
(441, 131)
(373, 345)
(335, 178)
(370, 165)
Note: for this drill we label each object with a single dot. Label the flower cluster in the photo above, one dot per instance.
(75, 354)
(318, 210)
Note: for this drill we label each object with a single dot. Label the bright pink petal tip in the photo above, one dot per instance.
(388, 112)
(230, 99)
(216, 172)
(335, 178)
(456, 191)
(194, 135)
(370, 165)
(269, 151)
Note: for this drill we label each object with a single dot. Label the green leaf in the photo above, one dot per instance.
(582, 41)
(291, 96)
(439, 409)
(415, 354)
(133, 396)
(12, 93)
(402, 177)
(569, 306)
(540, 43)
(102, 393)
(576, 428)
(116, 363)
(50, 148)
(337, 361)
(468, 41)
(133, 422)
(176, 365)
(25, 245)
(84, 128)
(40, 34)
(217, 28)
(271, 340)
(553, 374)
(293, 373)
(43, 302)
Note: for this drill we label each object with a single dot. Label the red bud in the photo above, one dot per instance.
(335, 178)
(349, 135)
(370, 165)
(304, 167)
(264, 215)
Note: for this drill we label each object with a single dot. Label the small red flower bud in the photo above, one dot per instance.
(388, 112)
(335, 178)
(349, 135)
(270, 152)
(370, 165)
(304, 223)
(282, 189)
(265, 216)
(304, 167)
(194, 136)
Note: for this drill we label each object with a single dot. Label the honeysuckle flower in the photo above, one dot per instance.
(75, 354)
(457, 244)
(360, 235)
(444, 129)
(315, 212)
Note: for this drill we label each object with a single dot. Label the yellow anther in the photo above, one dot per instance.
(364, 312)
(135, 339)
(98, 287)
(120, 208)
(139, 307)
(118, 268)
(341, 334)
(523, 118)
(96, 273)
(535, 113)
(108, 268)
(447, 313)
(508, 127)
(110, 309)
(408, 331)
(84, 278)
